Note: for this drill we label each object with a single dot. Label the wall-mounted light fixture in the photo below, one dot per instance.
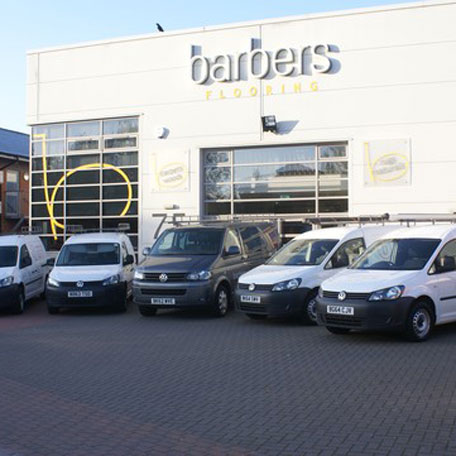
(161, 132)
(26, 177)
(269, 123)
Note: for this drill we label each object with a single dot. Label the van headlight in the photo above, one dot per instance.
(387, 294)
(202, 275)
(113, 280)
(53, 283)
(287, 285)
(6, 282)
(138, 275)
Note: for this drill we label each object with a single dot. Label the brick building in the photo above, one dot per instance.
(14, 180)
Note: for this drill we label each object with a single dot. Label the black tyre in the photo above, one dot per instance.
(257, 316)
(419, 323)
(335, 330)
(19, 305)
(308, 314)
(221, 301)
(122, 307)
(147, 311)
(52, 310)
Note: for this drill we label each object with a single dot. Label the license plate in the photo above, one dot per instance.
(250, 298)
(80, 294)
(340, 310)
(164, 301)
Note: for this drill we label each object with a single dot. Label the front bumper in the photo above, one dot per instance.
(102, 296)
(9, 296)
(272, 303)
(184, 294)
(367, 315)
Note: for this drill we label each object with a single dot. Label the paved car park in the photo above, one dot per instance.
(100, 383)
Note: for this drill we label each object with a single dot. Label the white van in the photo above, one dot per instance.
(406, 281)
(288, 283)
(23, 270)
(91, 270)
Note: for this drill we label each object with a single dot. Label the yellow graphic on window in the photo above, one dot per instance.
(50, 200)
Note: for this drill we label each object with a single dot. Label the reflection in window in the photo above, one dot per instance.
(217, 157)
(273, 172)
(119, 143)
(78, 160)
(51, 131)
(274, 154)
(120, 126)
(52, 148)
(121, 158)
(91, 144)
(215, 175)
(218, 192)
(333, 151)
(336, 168)
(83, 129)
(51, 163)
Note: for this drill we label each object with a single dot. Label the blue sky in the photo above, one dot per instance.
(31, 24)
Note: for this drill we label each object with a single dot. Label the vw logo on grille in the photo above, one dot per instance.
(80, 284)
(163, 278)
(341, 296)
(251, 287)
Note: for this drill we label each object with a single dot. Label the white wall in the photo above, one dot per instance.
(397, 79)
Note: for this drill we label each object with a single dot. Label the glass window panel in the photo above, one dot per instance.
(217, 208)
(51, 131)
(217, 157)
(275, 190)
(333, 187)
(42, 226)
(218, 192)
(333, 168)
(120, 126)
(40, 210)
(38, 195)
(116, 208)
(84, 177)
(112, 177)
(275, 207)
(50, 244)
(121, 158)
(75, 161)
(52, 148)
(51, 163)
(271, 172)
(78, 224)
(216, 175)
(340, 205)
(52, 178)
(274, 154)
(83, 129)
(113, 223)
(333, 151)
(83, 209)
(83, 193)
(119, 143)
(90, 144)
(111, 192)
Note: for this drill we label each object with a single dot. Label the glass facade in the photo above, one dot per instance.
(299, 179)
(84, 177)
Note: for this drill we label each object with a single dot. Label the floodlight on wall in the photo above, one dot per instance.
(269, 123)
(26, 177)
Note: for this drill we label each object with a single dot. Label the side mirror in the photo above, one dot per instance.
(233, 250)
(130, 259)
(445, 264)
(50, 262)
(146, 251)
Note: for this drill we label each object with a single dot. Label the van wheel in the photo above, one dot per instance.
(420, 323)
(257, 316)
(334, 330)
(147, 311)
(221, 301)
(122, 307)
(308, 314)
(18, 308)
(52, 310)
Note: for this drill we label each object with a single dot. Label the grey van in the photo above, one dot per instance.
(198, 266)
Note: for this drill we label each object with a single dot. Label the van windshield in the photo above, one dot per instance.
(8, 256)
(189, 242)
(397, 255)
(96, 254)
(303, 252)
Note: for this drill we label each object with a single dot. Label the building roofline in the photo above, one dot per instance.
(14, 131)
(323, 15)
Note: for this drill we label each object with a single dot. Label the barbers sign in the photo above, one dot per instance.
(260, 64)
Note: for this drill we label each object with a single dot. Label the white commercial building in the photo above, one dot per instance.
(364, 102)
